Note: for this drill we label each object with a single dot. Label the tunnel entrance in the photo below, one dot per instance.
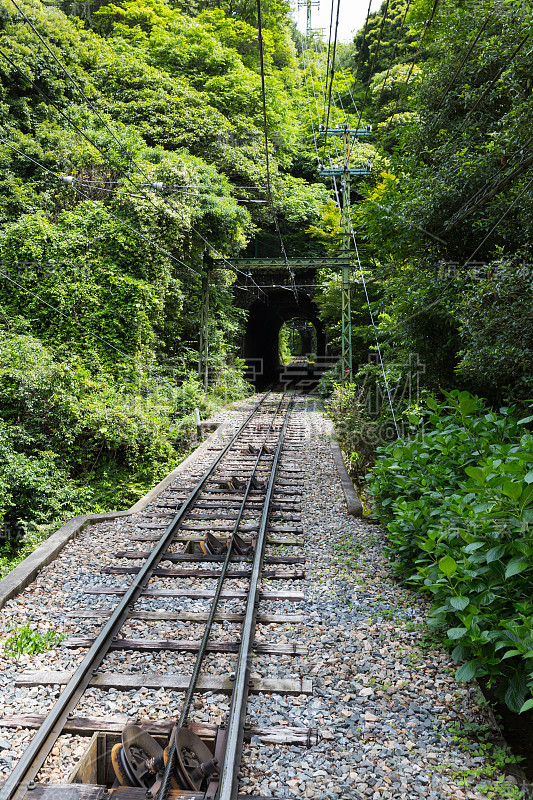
(266, 319)
(297, 340)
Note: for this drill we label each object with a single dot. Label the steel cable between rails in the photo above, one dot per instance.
(228, 785)
(181, 720)
(16, 784)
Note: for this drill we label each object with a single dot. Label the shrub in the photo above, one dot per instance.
(457, 500)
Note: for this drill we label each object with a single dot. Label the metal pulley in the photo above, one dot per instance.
(194, 765)
(211, 546)
(139, 761)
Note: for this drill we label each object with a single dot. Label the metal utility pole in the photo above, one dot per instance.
(203, 350)
(309, 5)
(346, 317)
(345, 173)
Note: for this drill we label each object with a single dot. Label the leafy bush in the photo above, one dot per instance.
(26, 641)
(457, 500)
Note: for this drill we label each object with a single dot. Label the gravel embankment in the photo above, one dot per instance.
(387, 707)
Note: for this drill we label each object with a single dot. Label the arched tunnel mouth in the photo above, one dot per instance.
(261, 347)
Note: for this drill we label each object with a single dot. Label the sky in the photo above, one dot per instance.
(352, 16)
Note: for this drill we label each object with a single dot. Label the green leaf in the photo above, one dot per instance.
(514, 567)
(525, 421)
(476, 473)
(470, 548)
(467, 671)
(527, 496)
(529, 477)
(460, 652)
(511, 653)
(527, 705)
(460, 603)
(512, 489)
(496, 552)
(447, 565)
(516, 692)
(456, 633)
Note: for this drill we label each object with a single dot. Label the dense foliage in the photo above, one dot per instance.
(449, 221)
(444, 229)
(457, 500)
(132, 154)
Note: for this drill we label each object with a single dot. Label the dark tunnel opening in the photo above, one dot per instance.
(261, 340)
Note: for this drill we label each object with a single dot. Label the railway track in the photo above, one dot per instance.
(196, 541)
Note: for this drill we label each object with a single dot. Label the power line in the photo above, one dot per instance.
(90, 141)
(394, 53)
(70, 182)
(424, 34)
(267, 158)
(332, 71)
(463, 62)
(490, 86)
(359, 55)
(77, 86)
(488, 191)
(374, 60)
(469, 260)
(69, 319)
(329, 48)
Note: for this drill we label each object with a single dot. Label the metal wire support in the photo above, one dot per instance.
(203, 350)
(346, 305)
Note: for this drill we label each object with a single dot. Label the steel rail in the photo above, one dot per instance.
(229, 775)
(17, 783)
(166, 782)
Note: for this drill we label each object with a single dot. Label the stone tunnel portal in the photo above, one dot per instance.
(261, 340)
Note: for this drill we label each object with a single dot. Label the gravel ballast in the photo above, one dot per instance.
(391, 718)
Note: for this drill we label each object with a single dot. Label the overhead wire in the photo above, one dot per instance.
(327, 115)
(467, 262)
(329, 48)
(359, 55)
(413, 62)
(491, 188)
(363, 281)
(94, 109)
(267, 156)
(383, 18)
(489, 87)
(393, 59)
(463, 62)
